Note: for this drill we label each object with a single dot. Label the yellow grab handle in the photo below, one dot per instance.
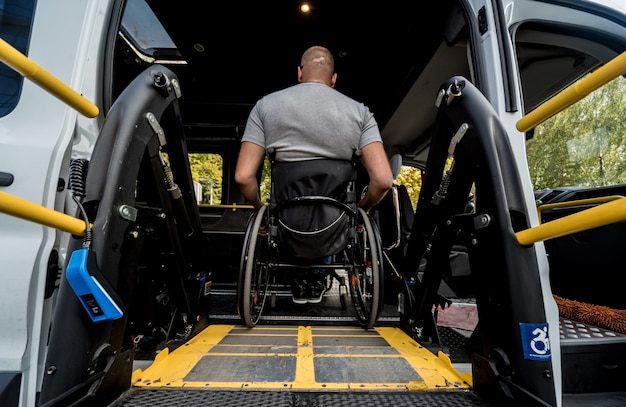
(30, 70)
(24, 209)
(574, 93)
(605, 214)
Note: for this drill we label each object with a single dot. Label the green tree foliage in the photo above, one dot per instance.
(411, 178)
(206, 169)
(583, 145)
(265, 183)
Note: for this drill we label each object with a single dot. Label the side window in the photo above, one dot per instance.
(265, 183)
(411, 178)
(16, 17)
(207, 170)
(584, 145)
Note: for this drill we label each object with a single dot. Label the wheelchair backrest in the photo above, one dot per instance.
(312, 204)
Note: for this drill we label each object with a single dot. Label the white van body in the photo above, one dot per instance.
(40, 135)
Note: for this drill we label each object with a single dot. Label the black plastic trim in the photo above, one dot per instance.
(6, 179)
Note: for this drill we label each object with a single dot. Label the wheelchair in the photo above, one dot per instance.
(312, 215)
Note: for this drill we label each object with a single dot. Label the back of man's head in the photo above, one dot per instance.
(317, 63)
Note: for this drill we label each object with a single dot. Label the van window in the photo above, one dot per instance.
(265, 185)
(144, 31)
(207, 170)
(584, 145)
(411, 178)
(16, 17)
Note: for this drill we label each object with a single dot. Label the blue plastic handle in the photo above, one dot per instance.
(96, 300)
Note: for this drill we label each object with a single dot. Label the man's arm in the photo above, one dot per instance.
(376, 163)
(250, 158)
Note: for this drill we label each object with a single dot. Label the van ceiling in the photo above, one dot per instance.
(390, 55)
(238, 51)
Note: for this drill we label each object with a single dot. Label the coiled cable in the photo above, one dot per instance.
(78, 173)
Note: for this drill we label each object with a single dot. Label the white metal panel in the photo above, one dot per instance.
(67, 41)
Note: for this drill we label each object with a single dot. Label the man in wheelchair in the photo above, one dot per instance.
(309, 227)
(311, 123)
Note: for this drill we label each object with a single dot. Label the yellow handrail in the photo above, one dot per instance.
(605, 214)
(24, 209)
(574, 93)
(579, 202)
(30, 70)
(233, 206)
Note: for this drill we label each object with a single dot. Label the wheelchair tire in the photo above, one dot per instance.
(253, 283)
(366, 274)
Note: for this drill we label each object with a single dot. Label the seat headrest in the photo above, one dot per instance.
(396, 164)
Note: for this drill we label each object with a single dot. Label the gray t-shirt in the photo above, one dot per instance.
(311, 120)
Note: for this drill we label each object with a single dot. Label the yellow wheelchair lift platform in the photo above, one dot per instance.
(302, 358)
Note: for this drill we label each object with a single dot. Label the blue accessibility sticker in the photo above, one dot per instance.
(536, 341)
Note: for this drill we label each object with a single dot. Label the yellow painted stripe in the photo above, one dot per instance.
(437, 371)
(170, 368)
(305, 366)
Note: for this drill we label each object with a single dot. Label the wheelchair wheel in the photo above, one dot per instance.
(252, 289)
(365, 279)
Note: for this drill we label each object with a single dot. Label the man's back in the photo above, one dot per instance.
(311, 120)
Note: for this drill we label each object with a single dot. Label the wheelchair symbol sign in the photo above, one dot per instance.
(536, 341)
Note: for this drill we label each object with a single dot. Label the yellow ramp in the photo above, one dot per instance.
(302, 358)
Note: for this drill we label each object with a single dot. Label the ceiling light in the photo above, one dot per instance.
(305, 8)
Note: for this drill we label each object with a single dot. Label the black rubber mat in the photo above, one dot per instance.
(613, 399)
(455, 344)
(139, 397)
(238, 398)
